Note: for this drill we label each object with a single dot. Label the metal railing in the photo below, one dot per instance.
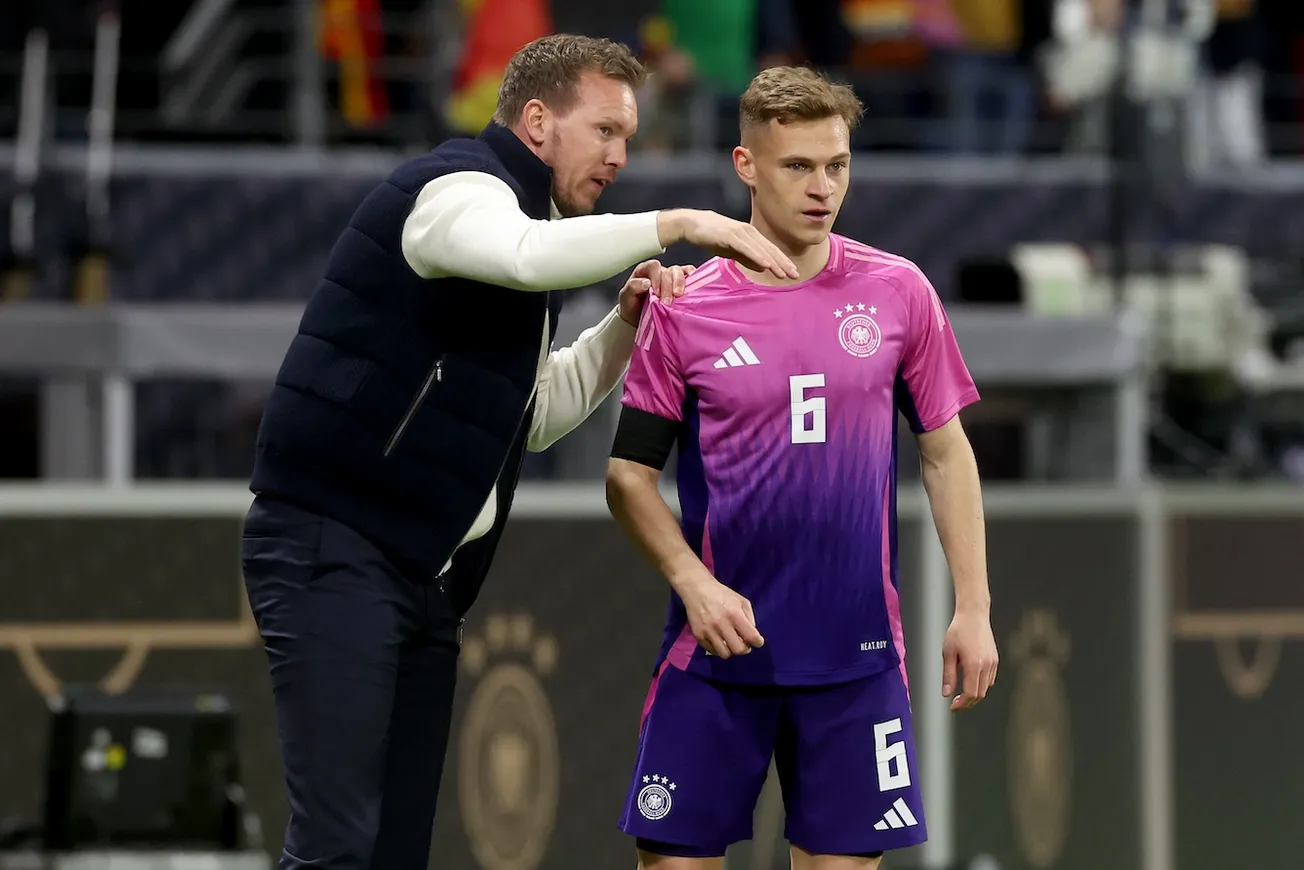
(234, 73)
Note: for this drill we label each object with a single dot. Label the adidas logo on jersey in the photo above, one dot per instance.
(899, 816)
(738, 354)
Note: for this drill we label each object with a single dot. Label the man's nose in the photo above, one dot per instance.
(821, 187)
(618, 156)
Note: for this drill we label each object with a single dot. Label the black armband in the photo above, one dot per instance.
(645, 438)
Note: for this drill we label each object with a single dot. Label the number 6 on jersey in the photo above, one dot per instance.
(803, 407)
(893, 767)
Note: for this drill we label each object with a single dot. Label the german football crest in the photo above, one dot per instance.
(654, 799)
(509, 770)
(857, 331)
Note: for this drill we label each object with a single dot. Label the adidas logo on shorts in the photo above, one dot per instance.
(899, 816)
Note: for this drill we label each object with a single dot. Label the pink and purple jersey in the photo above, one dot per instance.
(787, 462)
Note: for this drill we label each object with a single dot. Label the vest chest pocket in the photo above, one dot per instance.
(435, 376)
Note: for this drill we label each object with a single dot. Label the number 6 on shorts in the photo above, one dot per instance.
(893, 769)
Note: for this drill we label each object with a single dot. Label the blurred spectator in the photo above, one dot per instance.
(1080, 64)
(777, 40)
(1281, 25)
(989, 95)
(827, 40)
(494, 31)
(1226, 106)
(702, 57)
(720, 40)
(889, 59)
(719, 37)
(1036, 30)
(352, 35)
(665, 102)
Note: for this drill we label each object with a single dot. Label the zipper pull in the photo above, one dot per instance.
(439, 371)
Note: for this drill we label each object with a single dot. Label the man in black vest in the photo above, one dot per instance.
(393, 438)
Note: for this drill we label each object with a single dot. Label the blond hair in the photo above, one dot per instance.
(789, 94)
(549, 69)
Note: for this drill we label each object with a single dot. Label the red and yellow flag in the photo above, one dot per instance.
(352, 36)
(495, 30)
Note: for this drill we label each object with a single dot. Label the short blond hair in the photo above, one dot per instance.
(789, 94)
(550, 68)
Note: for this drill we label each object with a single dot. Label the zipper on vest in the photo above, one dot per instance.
(529, 402)
(498, 492)
(435, 376)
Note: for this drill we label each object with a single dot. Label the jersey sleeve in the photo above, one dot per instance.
(935, 382)
(652, 415)
(655, 383)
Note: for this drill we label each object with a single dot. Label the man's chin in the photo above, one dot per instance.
(570, 209)
(576, 206)
(810, 236)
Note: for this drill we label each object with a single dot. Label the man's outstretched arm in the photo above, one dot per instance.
(470, 224)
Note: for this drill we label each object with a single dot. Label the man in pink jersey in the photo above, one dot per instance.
(783, 638)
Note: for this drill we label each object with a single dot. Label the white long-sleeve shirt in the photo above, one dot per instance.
(470, 224)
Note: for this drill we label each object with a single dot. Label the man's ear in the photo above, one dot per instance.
(745, 165)
(535, 121)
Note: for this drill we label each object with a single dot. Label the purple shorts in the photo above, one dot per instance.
(845, 756)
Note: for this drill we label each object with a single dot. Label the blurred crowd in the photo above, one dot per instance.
(1004, 77)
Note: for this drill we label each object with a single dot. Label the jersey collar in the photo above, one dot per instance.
(730, 272)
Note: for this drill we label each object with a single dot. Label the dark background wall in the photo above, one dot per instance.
(556, 664)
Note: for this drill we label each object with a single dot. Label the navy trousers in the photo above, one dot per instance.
(363, 668)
